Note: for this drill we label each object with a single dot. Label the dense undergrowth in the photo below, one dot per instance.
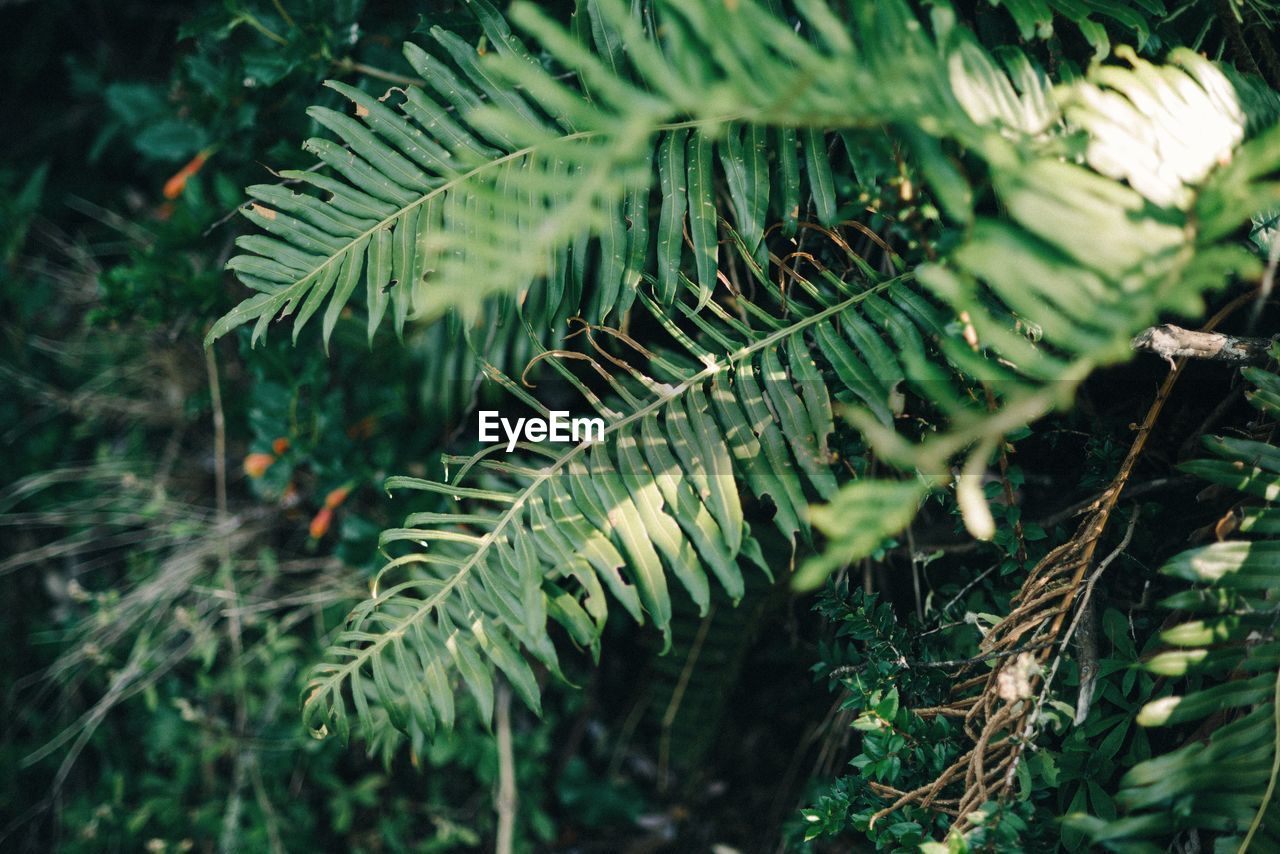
(185, 530)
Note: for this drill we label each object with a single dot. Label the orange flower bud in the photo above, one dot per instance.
(280, 445)
(320, 522)
(336, 496)
(178, 182)
(256, 465)
(363, 428)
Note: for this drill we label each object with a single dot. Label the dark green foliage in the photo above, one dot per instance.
(1223, 661)
(119, 669)
(832, 273)
(1028, 300)
(876, 661)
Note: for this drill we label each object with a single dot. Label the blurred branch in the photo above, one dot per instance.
(347, 65)
(1168, 341)
(504, 801)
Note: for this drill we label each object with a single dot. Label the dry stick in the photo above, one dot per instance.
(231, 817)
(925, 790)
(677, 697)
(504, 802)
(1080, 561)
(955, 710)
(992, 713)
(975, 774)
(945, 805)
(1075, 556)
(915, 573)
(990, 656)
(1168, 341)
(890, 791)
(1108, 503)
(848, 669)
(1139, 444)
(1029, 728)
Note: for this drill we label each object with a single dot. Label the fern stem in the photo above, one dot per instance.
(262, 28)
(1275, 771)
(288, 19)
(347, 65)
(505, 798)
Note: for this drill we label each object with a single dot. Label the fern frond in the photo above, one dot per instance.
(453, 354)
(735, 408)
(1019, 312)
(1036, 19)
(419, 175)
(1089, 261)
(521, 178)
(533, 180)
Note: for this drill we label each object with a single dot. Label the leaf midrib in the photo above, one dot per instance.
(400, 628)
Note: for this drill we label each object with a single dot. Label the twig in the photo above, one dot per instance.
(1029, 728)
(942, 612)
(1001, 731)
(348, 65)
(849, 669)
(1168, 341)
(262, 28)
(990, 656)
(1086, 641)
(1268, 281)
(268, 811)
(229, 839)
(915, 573)
(1130, 491)
(219, 435)
(288, 19)
(1189, 444)
(1019, 535)
(625, 732)
(1231, 23)
(1109, 502)
(677, 697)
(1097, 573)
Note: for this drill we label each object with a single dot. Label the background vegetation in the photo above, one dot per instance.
(184, 530)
